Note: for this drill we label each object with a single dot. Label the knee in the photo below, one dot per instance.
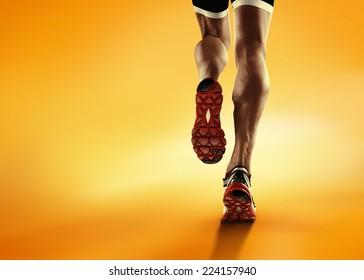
(249, 52)
(251, 87)
(252, 80)
(212, 49)
(225, 39)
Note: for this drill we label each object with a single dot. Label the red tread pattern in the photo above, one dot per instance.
(238, 209)
(208, 139)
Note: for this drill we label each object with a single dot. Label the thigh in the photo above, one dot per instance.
(213, 19)
(252, 21)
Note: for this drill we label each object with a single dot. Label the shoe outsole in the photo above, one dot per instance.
(238, 201)
(208, 139)
(237, 210)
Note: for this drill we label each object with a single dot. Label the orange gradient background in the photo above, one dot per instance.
(97, 106)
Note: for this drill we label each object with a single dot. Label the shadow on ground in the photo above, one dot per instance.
(230, 239)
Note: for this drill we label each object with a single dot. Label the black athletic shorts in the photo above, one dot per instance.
(219, 8)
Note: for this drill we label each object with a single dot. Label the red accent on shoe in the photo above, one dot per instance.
(208, 139)
(238, 200)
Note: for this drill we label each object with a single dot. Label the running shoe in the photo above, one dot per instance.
(238, 199)
(208, 139)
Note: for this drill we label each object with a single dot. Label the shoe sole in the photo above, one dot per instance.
(208, 139)
(238, 208)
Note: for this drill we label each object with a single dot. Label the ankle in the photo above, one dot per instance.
(233, 164)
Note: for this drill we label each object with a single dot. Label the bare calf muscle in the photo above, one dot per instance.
(251, 22)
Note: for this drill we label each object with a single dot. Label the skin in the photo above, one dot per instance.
(251, 87)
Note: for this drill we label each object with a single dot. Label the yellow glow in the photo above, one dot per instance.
(96, 110)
